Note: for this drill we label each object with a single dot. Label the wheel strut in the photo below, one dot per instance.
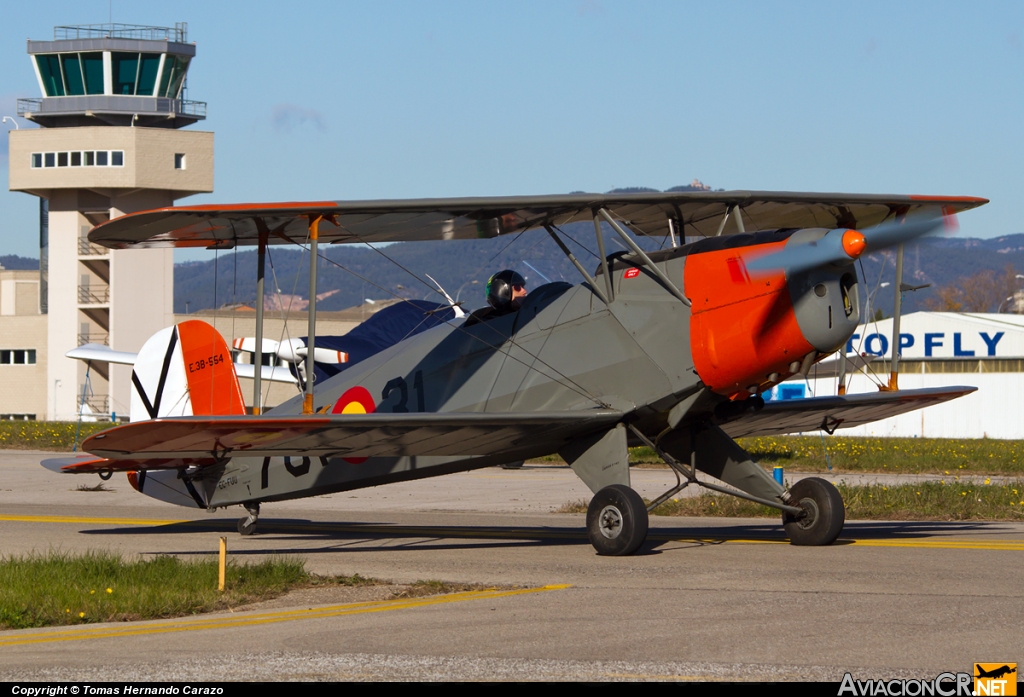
(247, 525)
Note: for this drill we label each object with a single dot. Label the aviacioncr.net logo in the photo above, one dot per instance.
(944, 685)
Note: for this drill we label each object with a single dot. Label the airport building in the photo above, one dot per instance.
(938, 349)
(110, 142)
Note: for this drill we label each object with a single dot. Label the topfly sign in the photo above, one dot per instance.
(944, 335)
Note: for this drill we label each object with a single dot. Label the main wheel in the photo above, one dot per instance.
(825, 513)
(246, 526)
(616, 521)
(512, 465)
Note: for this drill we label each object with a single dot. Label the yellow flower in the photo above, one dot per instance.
(110, 590)
(81, 614)
(988, 481)
(92, 592)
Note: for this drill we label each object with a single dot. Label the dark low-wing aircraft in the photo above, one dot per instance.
(669, 349)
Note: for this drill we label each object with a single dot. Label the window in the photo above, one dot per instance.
(73, 81)
(101, 158)
(62, 159)
(51, 159)
(179, 160)
(37, 159)
(49, 71)
(117, 158)
(17, 357)
(92, 69)
(124, 68)
(148, 68)
(76, 159)
(90, 158)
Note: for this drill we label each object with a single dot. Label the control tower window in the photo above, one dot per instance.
(179, 160)
(117, 158)
(149, 65)
(49, 71)
(73, 82)
(125, 69)
(92, 70)
(174, 75)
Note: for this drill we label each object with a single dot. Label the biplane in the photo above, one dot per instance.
(669, 349)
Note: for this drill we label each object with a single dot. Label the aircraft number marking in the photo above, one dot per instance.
(402, 386)
(207, 362)
(294, 470)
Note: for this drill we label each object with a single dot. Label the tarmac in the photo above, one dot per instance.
(706, 599)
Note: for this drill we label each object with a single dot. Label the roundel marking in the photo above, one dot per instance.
(355, 400)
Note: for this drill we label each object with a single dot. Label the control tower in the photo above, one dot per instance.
(109, 143)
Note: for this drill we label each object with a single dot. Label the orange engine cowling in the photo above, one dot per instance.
(744, 333)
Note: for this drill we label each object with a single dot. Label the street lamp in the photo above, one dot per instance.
(11, 119)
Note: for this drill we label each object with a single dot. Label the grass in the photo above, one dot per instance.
(948, 456)
(59, 588)
(45, 435)
(42, 590)
(943, 501)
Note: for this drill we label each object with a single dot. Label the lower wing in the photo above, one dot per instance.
(213, 438)
(830, 413)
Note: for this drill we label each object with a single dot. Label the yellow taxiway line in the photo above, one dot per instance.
(932, 543)
(248, 620)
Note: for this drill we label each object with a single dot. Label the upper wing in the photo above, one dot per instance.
(358, 435)
(778, 418)
(693, 213)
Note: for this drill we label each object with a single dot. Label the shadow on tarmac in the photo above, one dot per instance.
(356, 537)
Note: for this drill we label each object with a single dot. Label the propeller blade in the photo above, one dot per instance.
(843, 246)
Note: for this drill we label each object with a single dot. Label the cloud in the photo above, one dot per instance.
(288, 117)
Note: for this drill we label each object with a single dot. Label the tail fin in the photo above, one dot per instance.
(185, 370)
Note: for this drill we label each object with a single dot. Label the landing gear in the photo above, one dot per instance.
(512, 465)
(824, 513)
(617, 521)
(247, 525)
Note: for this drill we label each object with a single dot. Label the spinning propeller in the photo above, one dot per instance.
(842, 246)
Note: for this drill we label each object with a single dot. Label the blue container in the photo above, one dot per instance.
(777, 473)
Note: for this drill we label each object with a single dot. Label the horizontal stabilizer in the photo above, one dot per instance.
(348, 435)
(813, 413)
(274, 373)
(99, 352)
(89, 464)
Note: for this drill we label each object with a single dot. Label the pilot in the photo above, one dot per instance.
(505, 291)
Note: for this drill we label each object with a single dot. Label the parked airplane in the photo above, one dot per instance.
(669, 349)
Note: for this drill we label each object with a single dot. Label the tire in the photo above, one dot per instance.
(825, 517)
(246, 528)
(512, 465)
(616, 521)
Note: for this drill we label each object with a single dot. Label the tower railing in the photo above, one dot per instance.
(177, 33)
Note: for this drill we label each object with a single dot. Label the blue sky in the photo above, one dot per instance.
(315, 100)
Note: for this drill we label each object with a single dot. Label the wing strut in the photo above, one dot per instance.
(646, 259)
(261, 259)
(579, 267)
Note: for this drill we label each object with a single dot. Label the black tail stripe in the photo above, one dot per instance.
(163, 371)
(142, 393)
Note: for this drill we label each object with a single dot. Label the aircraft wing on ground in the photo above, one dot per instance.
(349, 435)
(693, 213)
(830, 413)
